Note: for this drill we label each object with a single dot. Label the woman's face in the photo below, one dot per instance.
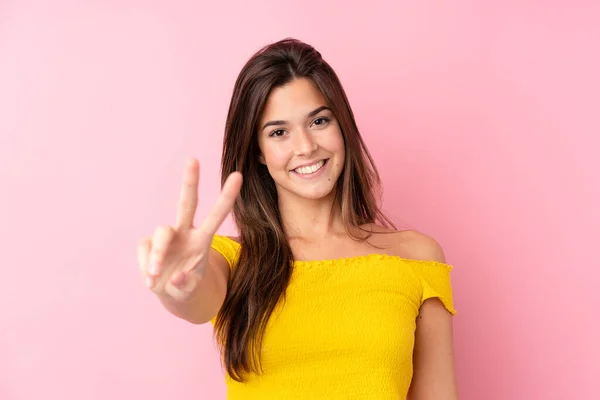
(300, 141)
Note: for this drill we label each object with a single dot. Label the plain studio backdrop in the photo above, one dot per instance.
(483, 117)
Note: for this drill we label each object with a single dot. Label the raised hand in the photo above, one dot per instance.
(175, 258)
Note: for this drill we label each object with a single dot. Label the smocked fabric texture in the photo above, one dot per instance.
(345, 330)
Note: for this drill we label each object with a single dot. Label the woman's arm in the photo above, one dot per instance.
(434, 375)
(433, 358)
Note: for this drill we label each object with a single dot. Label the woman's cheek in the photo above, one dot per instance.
(277, 158)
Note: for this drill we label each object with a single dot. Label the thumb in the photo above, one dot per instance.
(184, 282)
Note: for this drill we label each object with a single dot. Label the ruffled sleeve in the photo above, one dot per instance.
(227, 247)
(436, 282)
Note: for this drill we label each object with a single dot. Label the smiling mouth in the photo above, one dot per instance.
(311, 169)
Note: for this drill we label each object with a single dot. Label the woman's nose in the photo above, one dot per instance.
(304, 143)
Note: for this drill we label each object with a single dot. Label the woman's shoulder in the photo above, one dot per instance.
(421, 246)
(405, 244)
(227, 246)
(408, 244)
(429, 262)
(235, 240)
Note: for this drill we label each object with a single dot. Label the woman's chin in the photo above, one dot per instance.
(307, 190)
(316, 193)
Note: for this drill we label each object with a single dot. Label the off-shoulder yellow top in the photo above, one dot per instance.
(346, 330)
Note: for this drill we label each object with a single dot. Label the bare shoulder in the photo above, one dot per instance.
(234, 239)
(410, 244)
(422, 247)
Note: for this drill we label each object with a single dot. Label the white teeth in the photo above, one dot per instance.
(310, 168)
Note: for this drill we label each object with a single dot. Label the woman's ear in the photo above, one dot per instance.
(261, 159)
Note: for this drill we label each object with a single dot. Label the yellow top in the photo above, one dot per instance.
(346, 329)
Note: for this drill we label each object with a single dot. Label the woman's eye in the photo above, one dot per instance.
(277, 133)
(321, 121)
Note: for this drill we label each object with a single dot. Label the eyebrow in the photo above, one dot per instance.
(310, 114)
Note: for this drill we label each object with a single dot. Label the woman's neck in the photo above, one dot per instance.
(311, 218)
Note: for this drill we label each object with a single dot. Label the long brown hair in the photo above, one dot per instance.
(260, 278)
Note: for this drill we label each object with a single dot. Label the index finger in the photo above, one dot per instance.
(224, 204)
(188, 196)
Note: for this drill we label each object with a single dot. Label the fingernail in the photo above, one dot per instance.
(183, 283)
(188, 285)
(149, 281)
(180, 281)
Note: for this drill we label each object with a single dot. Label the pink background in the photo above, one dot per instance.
(483, 118)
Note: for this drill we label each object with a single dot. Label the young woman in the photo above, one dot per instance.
(319, 297)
